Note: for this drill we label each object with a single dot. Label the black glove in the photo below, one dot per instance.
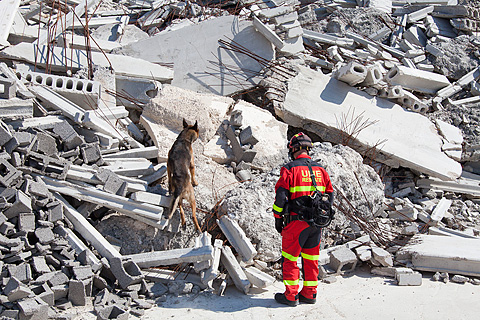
(279, 224)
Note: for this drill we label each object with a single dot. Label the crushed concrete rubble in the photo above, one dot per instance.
(93, 95)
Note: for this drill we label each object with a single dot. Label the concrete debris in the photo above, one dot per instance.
(85, 129)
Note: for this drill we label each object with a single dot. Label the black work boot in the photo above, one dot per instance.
(306, 300)
(280, 298)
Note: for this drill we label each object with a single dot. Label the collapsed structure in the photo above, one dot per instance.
(94, 93)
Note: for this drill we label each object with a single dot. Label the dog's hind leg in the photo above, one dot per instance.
(191, 200)
(182, 213)
(192, 172)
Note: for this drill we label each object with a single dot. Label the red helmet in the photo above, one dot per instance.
(300, 140)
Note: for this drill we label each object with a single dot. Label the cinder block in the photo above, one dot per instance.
(342, 260)
(21, 272)
(26, 221)
(246, 136)
(416, 80)
(55, 212)
(83, 272)
(40, 265)
(8, 174)
(352, 73)
(77, 293)
(45, 235)
(127, 272)
(57, 278)
(16, 290)
(374, 75)
(111, 312)
(68, 135)
(45, 144)
(382, 256)
(408, 277)
(33, 308)
(5, 134)
(8, 88)
(91, 153)
(82, 92)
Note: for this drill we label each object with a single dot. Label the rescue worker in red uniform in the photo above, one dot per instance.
(299, 238)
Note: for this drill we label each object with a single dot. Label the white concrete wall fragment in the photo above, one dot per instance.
(310, 89)
(8, 10)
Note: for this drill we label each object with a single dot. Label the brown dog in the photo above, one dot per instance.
(179, 164)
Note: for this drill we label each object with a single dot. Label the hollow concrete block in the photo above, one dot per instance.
(352, 73)
(342, 260)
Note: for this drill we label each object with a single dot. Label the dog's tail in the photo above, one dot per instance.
(175, 201)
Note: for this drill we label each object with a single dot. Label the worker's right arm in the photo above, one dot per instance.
(281, 193)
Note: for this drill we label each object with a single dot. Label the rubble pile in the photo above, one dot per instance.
(93, 94)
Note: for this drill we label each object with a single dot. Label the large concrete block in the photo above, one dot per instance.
(234, 270)
(455, 255)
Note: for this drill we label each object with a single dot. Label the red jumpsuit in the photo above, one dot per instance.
(298, 237)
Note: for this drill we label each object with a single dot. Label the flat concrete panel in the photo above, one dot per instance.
(316, 102)
(444, 254)
(194, 51)
(8, 9)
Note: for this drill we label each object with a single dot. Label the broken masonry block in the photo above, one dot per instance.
(382, 256)
(55, 211)
(91, 153)
(342, 260)
(21, 272)
(9, 88)
(374, 76)
(22, 204)
(126, 271)
(212, 272)
(235, 270)
(111, 312)
(9, 175)
(77, 292)
(45, 144)
(68, 135)
(45, 235)
(352, 73)
(364, 253)
(26, 221)
(19, 139)
(33, 308)
(45, 165)
(258, 278)
(237, 238)
(44, 292)
(82, 272)
(234, 143)
(243, 175)
(40, 265)
(408, 277)
(204, 239)
(439, 211)
(416, 80)
(247, 137)
(16, 290)
(80, 91)
(5, 134)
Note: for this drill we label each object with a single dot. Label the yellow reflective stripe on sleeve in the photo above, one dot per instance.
(289, 256)
(310, 257)
(306, 188)
(277, 209)
(291, 282)
(310, 283)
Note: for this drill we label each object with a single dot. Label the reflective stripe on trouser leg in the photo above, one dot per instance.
(290, 252)
(310, 268)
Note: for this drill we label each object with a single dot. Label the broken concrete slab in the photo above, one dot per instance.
(8, 10)
(174, 256)
(77, 59)
(235, 270)
(237, 238)
(444, 254)
(144, 212)
(418, 148)
(195, 74)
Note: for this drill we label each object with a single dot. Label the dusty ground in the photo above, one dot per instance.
(357, 296)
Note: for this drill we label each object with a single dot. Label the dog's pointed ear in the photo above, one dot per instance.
(185, 124)
(195, 126)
